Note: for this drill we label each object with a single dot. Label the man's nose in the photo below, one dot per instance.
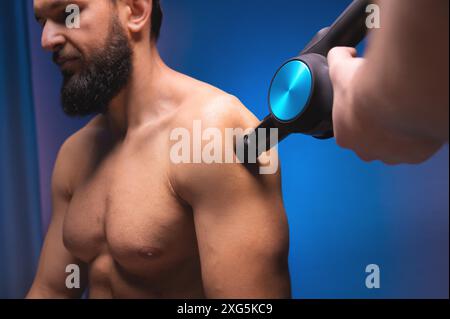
(52, 37)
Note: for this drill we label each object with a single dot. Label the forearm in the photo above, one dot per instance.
(403, 82)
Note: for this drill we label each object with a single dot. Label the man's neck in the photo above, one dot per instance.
(139, 101)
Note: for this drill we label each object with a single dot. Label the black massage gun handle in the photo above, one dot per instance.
(349, 30)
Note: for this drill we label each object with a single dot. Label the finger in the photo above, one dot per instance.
(339, 54)
(365, 156)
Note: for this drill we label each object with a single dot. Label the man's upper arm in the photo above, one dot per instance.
(240, 222)
(50, 280)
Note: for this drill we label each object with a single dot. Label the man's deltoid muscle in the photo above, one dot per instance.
(128, 221)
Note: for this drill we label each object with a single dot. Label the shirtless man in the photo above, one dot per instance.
(138, 225)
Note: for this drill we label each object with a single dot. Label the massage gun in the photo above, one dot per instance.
(301, 93)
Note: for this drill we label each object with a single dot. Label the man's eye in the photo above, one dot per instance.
(71, 15)
(62, 17)
(66, 14)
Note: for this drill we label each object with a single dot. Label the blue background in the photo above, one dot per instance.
(343, 213)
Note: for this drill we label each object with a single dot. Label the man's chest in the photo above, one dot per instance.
(127, 209)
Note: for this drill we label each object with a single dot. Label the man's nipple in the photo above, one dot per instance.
(150, 252)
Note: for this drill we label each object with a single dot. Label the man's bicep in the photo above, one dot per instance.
(50, 280)
(242, 234)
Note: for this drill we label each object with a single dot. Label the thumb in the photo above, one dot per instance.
(339, 54)
(337, 61)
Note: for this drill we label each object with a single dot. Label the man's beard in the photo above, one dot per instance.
(101, 78)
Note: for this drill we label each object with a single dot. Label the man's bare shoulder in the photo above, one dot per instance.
(218, 110)
(88, 136)
(212, 106)
(78, 153)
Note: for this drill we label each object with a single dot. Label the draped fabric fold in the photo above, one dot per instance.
(20, 226)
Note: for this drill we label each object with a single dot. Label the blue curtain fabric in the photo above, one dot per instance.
(20, 226)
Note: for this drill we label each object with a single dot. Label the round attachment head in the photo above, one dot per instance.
(290, 91)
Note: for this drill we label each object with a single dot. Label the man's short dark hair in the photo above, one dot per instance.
(157, 17)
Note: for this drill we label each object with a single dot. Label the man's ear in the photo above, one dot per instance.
(138, 15)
